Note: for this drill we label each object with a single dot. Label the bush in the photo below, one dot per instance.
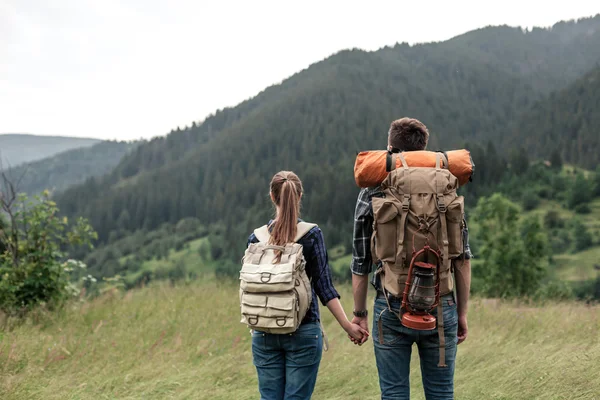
(530, 200)
(552, 220)
(554, 290)
(545, 192)
(582, 236)
(580, 192)
(588, 290)
(32, 266)
(227, 270)
(514, 251)
(560, 241)
(583, 209)
(343, 276)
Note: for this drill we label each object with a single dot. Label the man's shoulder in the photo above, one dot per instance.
(364, 202)
(367, 193)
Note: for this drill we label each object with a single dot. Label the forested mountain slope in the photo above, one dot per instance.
(469, 89)
(567, 121)
(69, 168)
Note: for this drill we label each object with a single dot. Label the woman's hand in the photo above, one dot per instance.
(356, 332)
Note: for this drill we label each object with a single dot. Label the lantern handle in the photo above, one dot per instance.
(407, 285)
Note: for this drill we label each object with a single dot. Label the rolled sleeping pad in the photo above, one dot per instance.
(370, 166)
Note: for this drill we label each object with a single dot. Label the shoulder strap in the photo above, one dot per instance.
(441, 160)
(303, 229)
(263, 235)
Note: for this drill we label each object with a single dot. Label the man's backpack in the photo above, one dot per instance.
(275, 295)
(420, 206)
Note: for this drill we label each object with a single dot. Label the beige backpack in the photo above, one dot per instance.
(275, 296)
(419, 203)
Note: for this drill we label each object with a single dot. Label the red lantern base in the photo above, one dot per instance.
(424, 322)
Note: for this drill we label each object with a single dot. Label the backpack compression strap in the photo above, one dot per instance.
(445, 259)
(405, 207)
(263, 235)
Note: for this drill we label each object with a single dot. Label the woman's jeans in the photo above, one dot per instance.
(393, 355)
(287, 365)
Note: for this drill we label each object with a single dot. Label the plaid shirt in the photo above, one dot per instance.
(363, 230)
(317, 269)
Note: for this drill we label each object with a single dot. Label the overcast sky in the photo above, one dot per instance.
(138, 68)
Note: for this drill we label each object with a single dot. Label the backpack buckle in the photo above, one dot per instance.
(406, 202)
(280, 321)
(441, 206)
(253, 320)
(265, 277)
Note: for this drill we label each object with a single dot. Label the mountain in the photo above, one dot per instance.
(16, 149)
(468, 89)
(567, 121)
(69, 168)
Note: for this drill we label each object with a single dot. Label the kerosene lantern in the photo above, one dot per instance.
(422, 291)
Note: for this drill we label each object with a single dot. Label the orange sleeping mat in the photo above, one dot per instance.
(370, 166)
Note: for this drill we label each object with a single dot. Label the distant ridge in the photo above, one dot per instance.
(17, 149)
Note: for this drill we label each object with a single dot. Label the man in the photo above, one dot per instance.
(393, 345)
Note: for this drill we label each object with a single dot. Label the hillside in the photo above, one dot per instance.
(314, 122)
(568, 121)
(17, 149)
(186, 342)
(69, 168)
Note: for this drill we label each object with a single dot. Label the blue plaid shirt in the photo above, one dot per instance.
(317, 269)
(363, 230)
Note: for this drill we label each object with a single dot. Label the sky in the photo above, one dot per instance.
(130, 69)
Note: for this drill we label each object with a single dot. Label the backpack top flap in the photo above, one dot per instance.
(419, 180)
(263, 235)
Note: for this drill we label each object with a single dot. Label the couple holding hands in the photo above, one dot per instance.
(287, 357)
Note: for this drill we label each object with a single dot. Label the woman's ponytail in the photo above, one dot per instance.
(286, 190)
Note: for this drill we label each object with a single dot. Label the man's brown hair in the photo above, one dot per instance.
(408, 134)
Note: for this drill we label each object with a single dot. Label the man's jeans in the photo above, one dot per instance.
(393, 355)
(287, 365)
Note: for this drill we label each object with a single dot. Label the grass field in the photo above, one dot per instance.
(185, 342)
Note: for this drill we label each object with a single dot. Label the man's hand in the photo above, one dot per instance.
(463, 329)
(363, 322)
(356, 333)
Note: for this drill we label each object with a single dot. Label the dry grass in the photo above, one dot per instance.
(185, 343)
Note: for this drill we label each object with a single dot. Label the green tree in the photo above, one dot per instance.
(596, 182)
(556, 160)
(553, 220)
(33, 266)
(513, 251)
(580, 192)
(530, 200)
(581, 235)
(519, 161)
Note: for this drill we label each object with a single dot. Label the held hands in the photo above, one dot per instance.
(358, 330)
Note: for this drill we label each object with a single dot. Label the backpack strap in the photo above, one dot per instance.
(303, 229)
(441, 206)
(263, 234)
(405, 207)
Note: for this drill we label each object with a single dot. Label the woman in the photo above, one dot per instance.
(287, 365)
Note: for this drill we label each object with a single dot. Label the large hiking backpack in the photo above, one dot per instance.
(275, 295)
(420, 206)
